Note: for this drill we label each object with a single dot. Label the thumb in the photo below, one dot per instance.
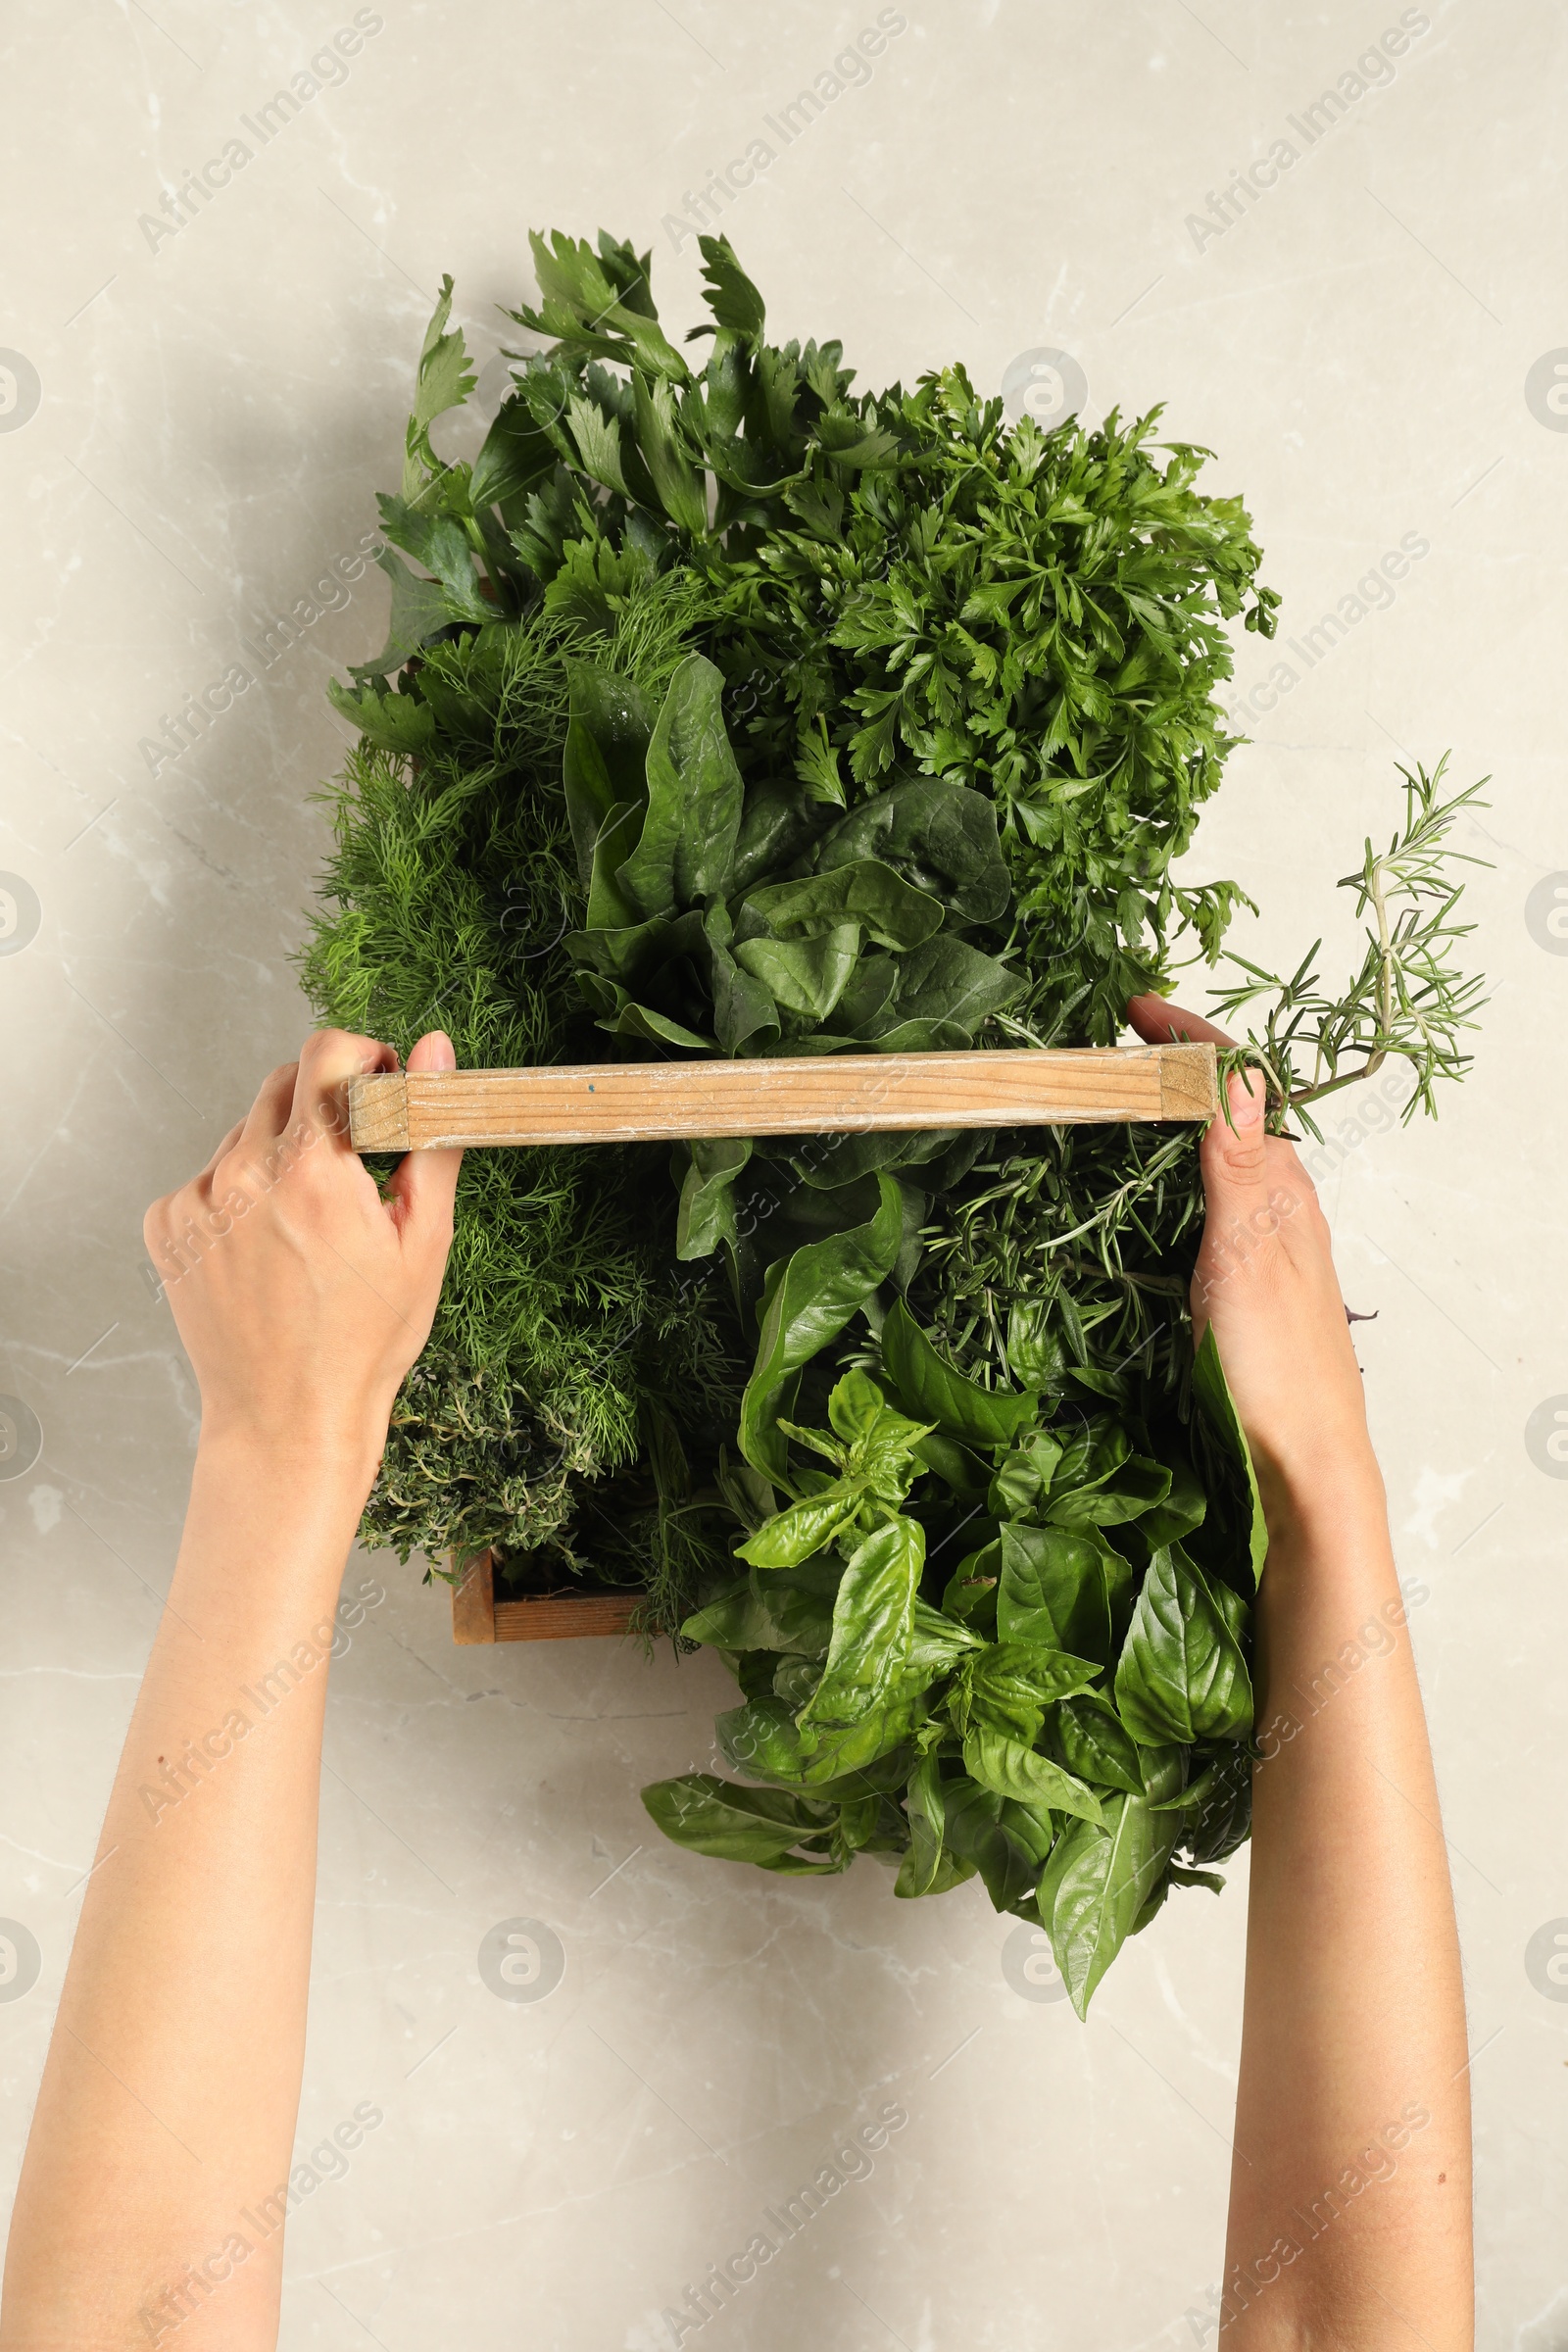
(1233, 1159)
(425, 1184)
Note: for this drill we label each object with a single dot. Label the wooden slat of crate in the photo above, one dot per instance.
(478, 1617)
(828, 1094)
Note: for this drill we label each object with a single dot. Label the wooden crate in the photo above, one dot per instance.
(826, 1093)
(477, 1616)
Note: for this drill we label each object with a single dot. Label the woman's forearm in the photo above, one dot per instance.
(160, 2141)
(1351, 2190)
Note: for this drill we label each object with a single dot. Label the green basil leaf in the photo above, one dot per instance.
(873, 1617)
(1092, 1742)
(1008, 1685)
(1182, 1509)
(1218, 1408)
(931, 1387)
(1095, 1887)
(711, 1816)
(1181, 1675)
(810, 1298)
(970, 1596)
(693, 816)
(937, 1640)
(977, 1830)
(803, 1529)
(1054, 1589)
(1014, 1770)
(1023, 1480)
(926, 1811)
(964, 1470)
(1137, 1485)
(1036, 1357)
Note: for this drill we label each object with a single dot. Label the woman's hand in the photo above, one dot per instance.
(301, 1294)
(1265, 1280)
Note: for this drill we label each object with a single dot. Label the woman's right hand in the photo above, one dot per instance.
(1265, 1280)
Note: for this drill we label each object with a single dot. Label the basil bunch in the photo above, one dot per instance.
(1071, 1718)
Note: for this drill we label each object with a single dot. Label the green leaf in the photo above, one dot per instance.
(1135, 1486)
(806, 976)
(939, 836)
(932, 1389)
(919, 1871)
(707, 1214)
(867, 893)
(1023, 1480)
(1183, 1509)
(1008, 1686)
(1218, 1407)
(1036, 1357)
(711, 1816)
(1012, 1769)
(694, 798)
(1092, 1742)
(813, 1296)
(873, 1618)
(950, 982)
(730, 294)
(1181, 1675)
(1095, 1886)
(679, 485)
(444, 382)
(515, 455)
(608, 728)
(805, 1528)
(1054, 1589)
(996, 1835)
(419, 612)
(394, 722)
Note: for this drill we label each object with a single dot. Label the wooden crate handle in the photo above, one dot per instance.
(830, 1094)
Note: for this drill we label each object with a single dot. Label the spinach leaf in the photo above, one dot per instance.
(867, 895)
(693, 816)
(707, 1214)
(609, 727)
(940, 836)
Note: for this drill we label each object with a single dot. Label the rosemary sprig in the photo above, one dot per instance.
(1409, 999)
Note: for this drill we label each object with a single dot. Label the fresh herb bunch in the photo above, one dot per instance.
(573, 1372)
(799, 720)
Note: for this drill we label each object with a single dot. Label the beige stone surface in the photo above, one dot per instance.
(214, 409)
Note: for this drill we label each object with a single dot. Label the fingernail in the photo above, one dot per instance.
(443, 1055)
(1247, 1098)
